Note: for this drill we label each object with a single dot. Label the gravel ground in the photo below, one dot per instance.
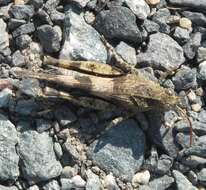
(53, 150)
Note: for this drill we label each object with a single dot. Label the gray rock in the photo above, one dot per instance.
(4, 37)
(151, 26)
(33, 187)
(182, 182)
(36, 3)
(201, 54)
(127, 52)
(51, 5)
(193, 161)
(93, 181)
(43, 125)
(201, 176)
(38, 161)
(9, 159)
(197, 18)
(181, 35)
(82, 41)
(24, 29)
(4, 2)
(24, 12)
(160, 136)
(58, 150)
(191, 47)
(140, 8)
(57, 17)
(49, 38)
(118, 23)
(161, 183)
(8, 188)
(30, 87)
(164, 164)
(161, 18)
(5, 96)
(192, 176)
(202, 71)
(185, 78)
(162, 53)
(15, 23)
(42, 17)
(23, 41)
(64, 116)
(74, 183)
(18, 59)
(184, 139)
(52, 185)
(198, 150)
(198, 4)
(119, 151)
(202, 116)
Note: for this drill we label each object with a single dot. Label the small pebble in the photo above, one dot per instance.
(192, 96)
(185, 23)
(141, 178)
(78, 181)
(68, 172)
(110, 183)
(196, 107)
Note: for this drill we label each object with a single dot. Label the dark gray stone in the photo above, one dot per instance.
(24, 12)
(191, 47)
(140, 8)
(23, 41)
(18, 59)
(197, 18)
(42, 17)
(38, 161)
(198, 4)
(198, 150)
(82, 41)
(24, 29)
(52, 185)
(4, 2)
(64, 116)
(30, 87)
(185, 78)
(193, 161)
(119, 151)
(26, 107)
(4, 37)
(161, 18)
(93, 181)
(57, 17)
(182, 182)
(49, 38)
(36, 3)
(9, 169)
(118, 23)
(201, 176)
(181, 35)
(164, 164)
(162, 53)
(15, 23)
(160, 136)
(161, 183)
(192, 176)
(5, 96)
(43, 125)
(127, 52)
(151, 26)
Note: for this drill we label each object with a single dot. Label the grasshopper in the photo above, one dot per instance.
(104, 87)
